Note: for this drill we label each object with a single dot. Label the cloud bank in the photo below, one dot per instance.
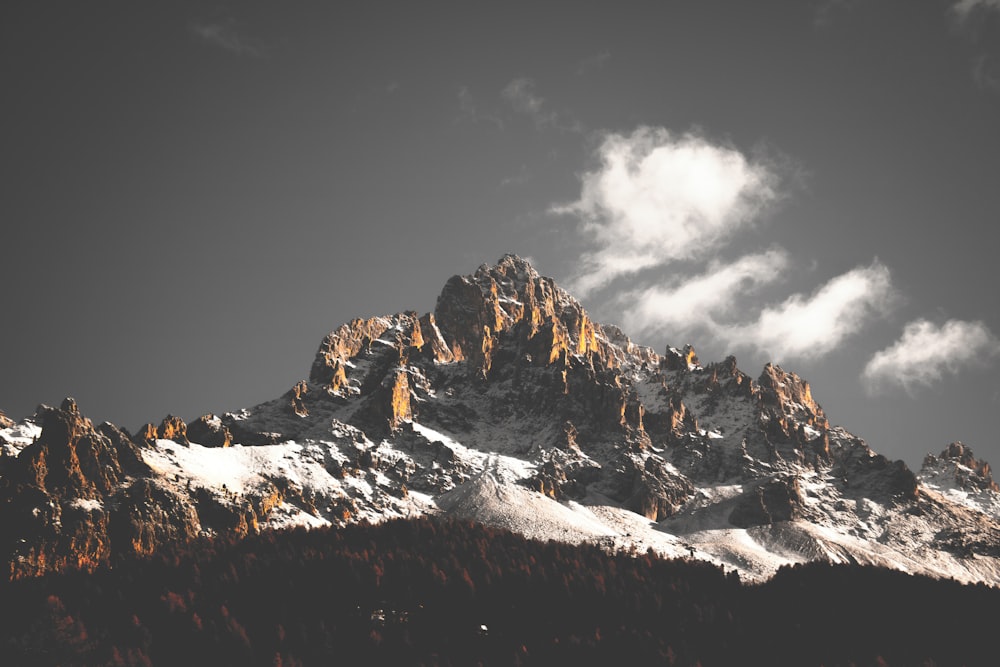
(800, 327)
(656, 198)
(926, 353)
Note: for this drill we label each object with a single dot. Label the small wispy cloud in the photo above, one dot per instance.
(225, 35)
(804, 327)
(593, 63)
(656, 198)
(701, 303)
(966, 9)
(521, 96)
(926, 353)
(977, 22)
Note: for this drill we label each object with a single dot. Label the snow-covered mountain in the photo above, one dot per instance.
(510, 406)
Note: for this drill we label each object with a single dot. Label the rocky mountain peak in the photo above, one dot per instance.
(788, 392)
(788, 407)
(72, 458)
(681, 360)
(958, 462)
(507, 404)
(518, 270)
(474, 312)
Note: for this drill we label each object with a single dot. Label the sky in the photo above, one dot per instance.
(194, 194)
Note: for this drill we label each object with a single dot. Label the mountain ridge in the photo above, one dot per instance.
(508, 405)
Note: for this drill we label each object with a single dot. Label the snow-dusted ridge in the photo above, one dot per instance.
(509, 406)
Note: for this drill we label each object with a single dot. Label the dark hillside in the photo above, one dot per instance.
(456, 593)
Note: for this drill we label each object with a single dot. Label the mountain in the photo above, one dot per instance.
(507, 405)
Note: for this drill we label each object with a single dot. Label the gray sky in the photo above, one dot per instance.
(194, 194)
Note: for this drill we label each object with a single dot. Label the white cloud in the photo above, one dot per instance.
(926, 352)
(226, 36)
(966, 8)
(699, 302)
(802, 327)
(657, 198)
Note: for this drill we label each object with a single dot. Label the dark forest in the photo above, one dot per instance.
(429, 592)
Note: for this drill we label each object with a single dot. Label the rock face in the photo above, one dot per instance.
(968, 472)
(767, 503)
(173, 428)
(209, 430)
(508, 404)
(67, 499)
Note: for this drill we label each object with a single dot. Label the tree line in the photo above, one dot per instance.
(450, 592)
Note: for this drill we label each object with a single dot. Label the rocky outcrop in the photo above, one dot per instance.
(680, 360)
(64, 500)
(399, 399)
(963, 467)
(70, 458)
(624, 351)
(331, 363)
(149, 516)
(657, 492)
(79, 497)
(862, 471)
(475, 312)
(789, 415)
(785, 397)
(146, 435)
(173, 428)
(768, 502)
(296, 399)
(725, 377)
(433, 344)
(208, 430)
